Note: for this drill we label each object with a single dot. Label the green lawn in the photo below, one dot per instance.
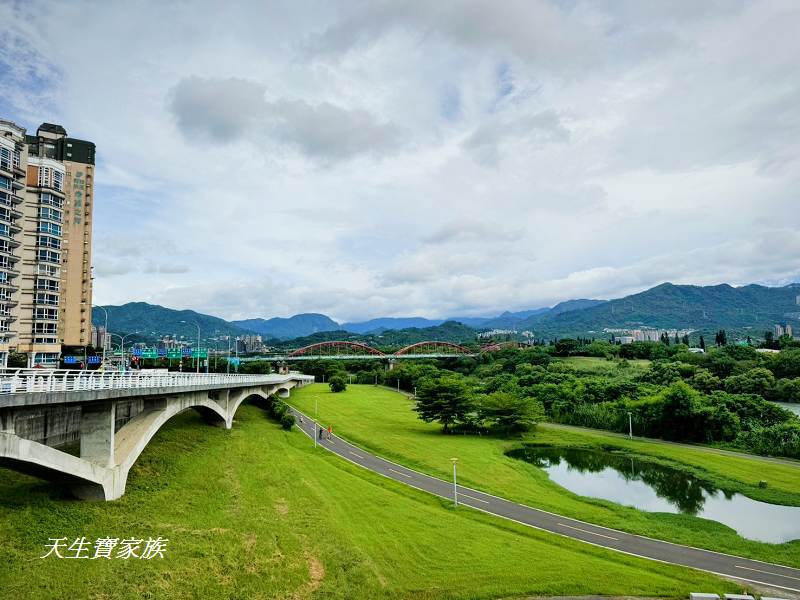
(383, 422)
(257, 512)
(601, 365)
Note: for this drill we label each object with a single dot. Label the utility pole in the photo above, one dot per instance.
(630, 425)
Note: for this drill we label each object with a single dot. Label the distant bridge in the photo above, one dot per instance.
(348, 350)
(112, 417)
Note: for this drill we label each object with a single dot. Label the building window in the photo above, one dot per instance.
(46, 270)
(50, 228)
(48, 256)
(46, 314)
(51, 200)
(49, 285)
(4, 277)
(5, 247)
(50, 177)
(48, 299)
(5, 159)
(5, 182)
(46, 241)
(45, 328)
(50, 214)
(4, 230)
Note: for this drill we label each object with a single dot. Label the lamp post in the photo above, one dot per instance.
(105, 331)
(316, 425)
(122, 341)
(198, 343)
(455, 484)
(630, 425)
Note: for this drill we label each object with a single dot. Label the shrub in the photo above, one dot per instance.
(337, 384)
(287, 420)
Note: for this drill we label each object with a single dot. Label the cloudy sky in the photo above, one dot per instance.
(443, 158)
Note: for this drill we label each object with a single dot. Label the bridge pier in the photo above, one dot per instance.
(97, 433)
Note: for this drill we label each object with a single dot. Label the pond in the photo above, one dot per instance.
(790, 406)
(656, 488)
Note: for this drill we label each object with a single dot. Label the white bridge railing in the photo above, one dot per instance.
(27, 381)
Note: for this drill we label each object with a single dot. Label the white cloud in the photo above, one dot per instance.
(431, 158)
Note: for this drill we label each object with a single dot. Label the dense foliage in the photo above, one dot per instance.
(722, 396)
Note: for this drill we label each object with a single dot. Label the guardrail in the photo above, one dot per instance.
(28, 381)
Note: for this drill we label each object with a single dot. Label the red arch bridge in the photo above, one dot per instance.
(346, 350)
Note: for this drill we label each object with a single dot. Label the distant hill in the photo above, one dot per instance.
(292, 327)
(679, 306)
(753, 308)
(153, 322)
(449, 331)
(382, 324)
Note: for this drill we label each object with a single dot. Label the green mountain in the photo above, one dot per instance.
(153, 322)
(291, 327)
(449, 331)
(752, 307)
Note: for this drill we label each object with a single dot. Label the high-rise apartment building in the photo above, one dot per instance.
(45, 242)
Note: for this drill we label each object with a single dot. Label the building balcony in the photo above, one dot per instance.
(13, 242)
(16, 184)
(7, 285)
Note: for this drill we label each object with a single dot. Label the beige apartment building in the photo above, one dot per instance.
(46, 199)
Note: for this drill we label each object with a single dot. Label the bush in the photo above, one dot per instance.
(287, 420)
(337, 384)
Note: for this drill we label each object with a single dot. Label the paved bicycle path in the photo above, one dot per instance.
(753, 571)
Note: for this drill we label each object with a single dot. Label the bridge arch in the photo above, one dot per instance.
(332, 348)
(433, 347)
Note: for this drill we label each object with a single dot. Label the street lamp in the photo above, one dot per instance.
(455, 485)
(630, 425)
(198, 342)
(105, 331)
(122, 341)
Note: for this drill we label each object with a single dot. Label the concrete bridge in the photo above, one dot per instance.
(110, 418)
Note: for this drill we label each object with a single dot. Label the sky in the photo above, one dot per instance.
(417, 158)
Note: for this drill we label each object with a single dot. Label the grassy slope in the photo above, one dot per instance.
(382, 421)
(256, 512)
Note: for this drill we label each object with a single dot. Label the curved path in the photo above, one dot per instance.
(725, 565)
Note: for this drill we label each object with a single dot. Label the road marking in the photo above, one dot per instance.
(400, 473)
(463, 495)
(767, 572)
(356, 455)
(589, 532)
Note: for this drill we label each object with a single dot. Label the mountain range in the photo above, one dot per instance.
(668, 306)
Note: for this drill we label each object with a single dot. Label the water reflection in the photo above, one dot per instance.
(655, 488)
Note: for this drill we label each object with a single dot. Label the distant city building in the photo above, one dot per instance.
(781, 330)
(98, 337)
(46, 200)
(249, 344)
(646, 334)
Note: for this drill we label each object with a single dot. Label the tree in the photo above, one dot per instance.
(702, 343)
(685, 339)
(445, 398)
(337, 384)
(510, 412)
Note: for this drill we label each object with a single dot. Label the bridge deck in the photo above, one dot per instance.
(38, 387)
